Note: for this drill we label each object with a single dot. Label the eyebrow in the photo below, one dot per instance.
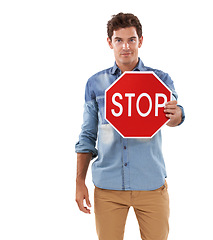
(128, 38)
(117, 38)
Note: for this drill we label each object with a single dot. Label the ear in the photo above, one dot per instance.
(140, 41)
(110, 43)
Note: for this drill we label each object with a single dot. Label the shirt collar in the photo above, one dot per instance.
(114, 69)
(139, 67)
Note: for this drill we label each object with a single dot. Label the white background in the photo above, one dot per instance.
(48, 50)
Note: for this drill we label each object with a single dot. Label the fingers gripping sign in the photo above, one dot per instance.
(173, 112)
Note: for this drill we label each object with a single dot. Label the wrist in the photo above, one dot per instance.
(80, 181)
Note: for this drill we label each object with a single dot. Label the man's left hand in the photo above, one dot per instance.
(174, 113)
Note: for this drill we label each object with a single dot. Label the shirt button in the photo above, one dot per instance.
(125, 164)
(124, 147)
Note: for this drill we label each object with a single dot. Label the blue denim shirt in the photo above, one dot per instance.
(120, 163)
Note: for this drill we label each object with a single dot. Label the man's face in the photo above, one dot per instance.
(125, 43)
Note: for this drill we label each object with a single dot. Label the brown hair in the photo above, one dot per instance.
(123, 20)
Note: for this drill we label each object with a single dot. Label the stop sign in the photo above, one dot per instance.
(134, 104)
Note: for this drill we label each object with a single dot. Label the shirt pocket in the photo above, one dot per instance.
(101, 107)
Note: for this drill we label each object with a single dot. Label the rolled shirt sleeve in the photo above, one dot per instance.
(89, 128)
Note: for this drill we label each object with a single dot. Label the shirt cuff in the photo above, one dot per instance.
(86, 148)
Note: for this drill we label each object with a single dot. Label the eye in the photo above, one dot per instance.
(132, 40)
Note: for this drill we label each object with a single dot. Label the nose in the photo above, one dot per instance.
(125, 45)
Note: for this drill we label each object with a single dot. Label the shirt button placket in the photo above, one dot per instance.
(126, 165)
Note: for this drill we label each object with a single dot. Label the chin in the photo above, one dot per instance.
(127, 61)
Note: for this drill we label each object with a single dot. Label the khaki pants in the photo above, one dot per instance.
(151, 209)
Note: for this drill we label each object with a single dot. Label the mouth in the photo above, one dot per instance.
(126, 54)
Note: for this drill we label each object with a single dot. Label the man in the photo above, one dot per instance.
(127, 172)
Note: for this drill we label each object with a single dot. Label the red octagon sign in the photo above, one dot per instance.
(134, 104)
